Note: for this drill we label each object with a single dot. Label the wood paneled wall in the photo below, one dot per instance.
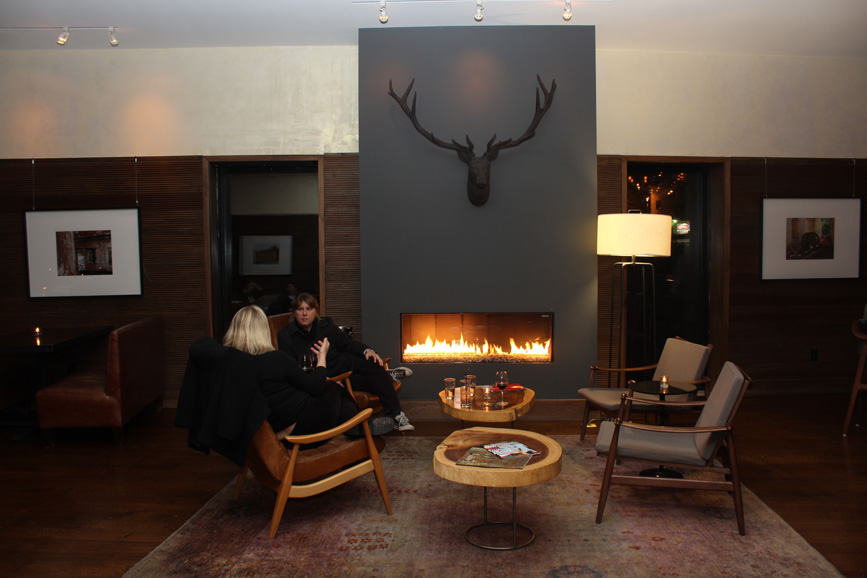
(168, 192)
(771, 327)
(768, 327)
(342, 241)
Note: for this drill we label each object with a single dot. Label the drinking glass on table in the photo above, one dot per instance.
(308, 362)
(502, 382)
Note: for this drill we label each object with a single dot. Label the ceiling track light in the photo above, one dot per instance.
(112, 39)
(383, 15)
(64, 36)
(480, 11)
(567, 11)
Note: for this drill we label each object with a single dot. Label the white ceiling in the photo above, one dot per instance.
(829, 28)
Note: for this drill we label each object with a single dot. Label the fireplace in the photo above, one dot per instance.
(476, 337)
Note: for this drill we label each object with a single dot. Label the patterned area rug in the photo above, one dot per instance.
(347, 533)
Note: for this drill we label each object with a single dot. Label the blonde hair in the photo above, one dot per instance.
(249, 331)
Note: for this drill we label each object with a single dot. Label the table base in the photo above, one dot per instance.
(514, 524)
(661, 472)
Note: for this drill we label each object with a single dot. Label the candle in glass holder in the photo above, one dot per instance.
(663, 384)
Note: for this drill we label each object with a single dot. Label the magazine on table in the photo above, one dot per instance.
(514, 455)
(503, 449)
(482, 458)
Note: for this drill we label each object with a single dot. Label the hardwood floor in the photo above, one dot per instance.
(90, 508)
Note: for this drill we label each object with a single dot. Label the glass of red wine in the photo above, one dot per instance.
(307, 362)
(502, 382)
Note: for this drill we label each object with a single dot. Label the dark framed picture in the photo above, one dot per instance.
(83, 252)
(811, 238)
(265, 255)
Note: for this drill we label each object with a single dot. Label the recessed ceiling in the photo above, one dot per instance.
(825, 28)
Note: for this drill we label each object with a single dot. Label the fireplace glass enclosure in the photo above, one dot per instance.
(476, 337)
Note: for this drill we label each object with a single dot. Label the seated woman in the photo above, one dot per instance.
(344, 354)
(308, 400)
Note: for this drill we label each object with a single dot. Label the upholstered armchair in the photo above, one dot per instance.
(708, 446)
(681, 360)
(134, 377)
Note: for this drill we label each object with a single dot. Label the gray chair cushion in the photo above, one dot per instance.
(653, 446)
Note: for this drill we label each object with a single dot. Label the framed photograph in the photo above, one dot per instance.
(811, 238)
(265, 255)
(83, 253)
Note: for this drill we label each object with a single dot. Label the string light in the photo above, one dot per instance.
(64, 36)
(383, 16)
(567, 11)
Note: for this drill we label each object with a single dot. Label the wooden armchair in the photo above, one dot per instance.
(680, 360)
(859, 330)
(302, 472)
(708, 446)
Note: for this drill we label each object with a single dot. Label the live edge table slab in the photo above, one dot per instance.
(520, 402)
(541, 468)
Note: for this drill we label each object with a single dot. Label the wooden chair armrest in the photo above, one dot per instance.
(673, 429)
(340, 377)
(622, 369)
(358, 418)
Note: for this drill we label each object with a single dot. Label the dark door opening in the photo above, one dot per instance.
(682, 280)
(267, 234)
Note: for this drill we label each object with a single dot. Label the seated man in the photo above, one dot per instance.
(344, 354)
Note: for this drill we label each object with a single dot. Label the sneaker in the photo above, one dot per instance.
(401, 423)
(379, 426)
(399, 373)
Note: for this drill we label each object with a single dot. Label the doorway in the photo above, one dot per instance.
(267, 234)
(682, 281)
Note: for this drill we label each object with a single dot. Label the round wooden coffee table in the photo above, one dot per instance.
(520, 402)
(540, 468)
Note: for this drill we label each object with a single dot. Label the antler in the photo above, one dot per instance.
(494, 149)
(462, 150)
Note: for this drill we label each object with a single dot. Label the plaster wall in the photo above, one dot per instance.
(304, 100)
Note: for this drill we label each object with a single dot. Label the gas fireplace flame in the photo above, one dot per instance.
(464, 351)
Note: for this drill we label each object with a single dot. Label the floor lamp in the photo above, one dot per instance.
(633, 235)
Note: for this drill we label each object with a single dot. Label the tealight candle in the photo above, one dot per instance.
(37, 331)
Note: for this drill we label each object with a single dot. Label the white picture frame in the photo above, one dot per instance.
(265, 255)
(811, 238)
(81, 253)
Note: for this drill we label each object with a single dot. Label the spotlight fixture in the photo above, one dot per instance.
(480, 11)
(112, 39)
(567, 11)
(383, 15)
(64, 36)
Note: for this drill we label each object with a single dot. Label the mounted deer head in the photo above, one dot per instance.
(479, 177)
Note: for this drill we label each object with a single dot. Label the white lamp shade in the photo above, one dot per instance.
(634, 235)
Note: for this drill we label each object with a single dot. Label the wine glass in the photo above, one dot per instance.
(502, 382)
(308, 362)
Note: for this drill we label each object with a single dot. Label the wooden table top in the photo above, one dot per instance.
(520, 402)
(541, 467)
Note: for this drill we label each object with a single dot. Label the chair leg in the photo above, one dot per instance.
(736, 485)
(606, 483)
(585, 419)
(239, 482)
(852, 403)
(282, 498)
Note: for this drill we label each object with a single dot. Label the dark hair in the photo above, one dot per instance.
(308, 299)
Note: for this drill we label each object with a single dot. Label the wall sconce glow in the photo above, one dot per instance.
(64, 36)
(383, 15)
(567, 11)
(112, 39)
(480, 11)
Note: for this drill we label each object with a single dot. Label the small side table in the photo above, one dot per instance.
(541, 468)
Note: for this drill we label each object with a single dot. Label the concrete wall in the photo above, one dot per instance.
(304, 100)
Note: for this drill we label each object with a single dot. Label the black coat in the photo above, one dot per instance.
(342, 352)
(220, 402)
